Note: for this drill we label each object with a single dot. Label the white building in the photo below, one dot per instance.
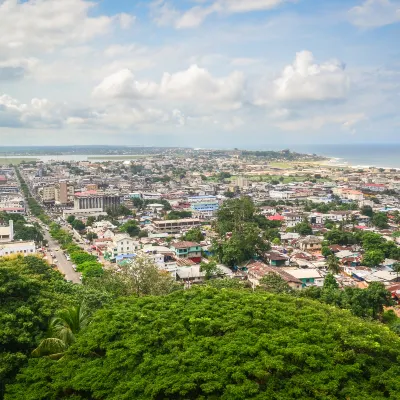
(121, 245)
(24, 248)
(281, 195)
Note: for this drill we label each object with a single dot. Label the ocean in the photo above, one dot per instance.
(371, 155)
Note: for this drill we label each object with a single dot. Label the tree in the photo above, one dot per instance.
(276, 241)
(229, 195)
(179, 215)
(71, 219)
(90, 221)
(304, 229)
(78, 225)
(330, 282)
(326, 251)
(91, 236)
(396, 269)
(193, 235)
(62, 331)
(380, 220)
(274, 283)
(131, 227)
(373, 258)
(31, 291)
(211, 269)
(80, 257)
(332, 264)
(367, 210)
(134, 350)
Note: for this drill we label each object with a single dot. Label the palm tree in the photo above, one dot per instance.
(332, 264)
(61, 333)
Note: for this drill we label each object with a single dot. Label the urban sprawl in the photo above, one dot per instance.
(199, 215)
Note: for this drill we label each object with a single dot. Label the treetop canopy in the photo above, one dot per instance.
(207, 343)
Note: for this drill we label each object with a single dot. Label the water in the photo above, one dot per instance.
(372, 155)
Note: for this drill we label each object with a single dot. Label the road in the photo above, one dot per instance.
(63, 265)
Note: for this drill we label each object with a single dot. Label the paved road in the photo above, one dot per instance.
(63, 265)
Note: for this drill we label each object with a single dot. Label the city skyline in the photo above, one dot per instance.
(223, 73)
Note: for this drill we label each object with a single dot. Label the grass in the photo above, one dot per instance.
(15, 161)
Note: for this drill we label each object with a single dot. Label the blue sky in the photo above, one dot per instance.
(223, 73)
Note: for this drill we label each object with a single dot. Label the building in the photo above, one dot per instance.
(7, 232)
(374, 187)
(258, 270)
(281, 195)
(189, 250)
(47, 193)
(64, 193)
(96, 200)
(121, 245)
(307, 276)
(310, 243)
(175, 225)
(203, 206)
(23, 248)
(3, 180)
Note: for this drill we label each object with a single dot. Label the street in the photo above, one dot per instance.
(64, 266)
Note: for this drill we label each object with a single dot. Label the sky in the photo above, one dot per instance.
(201, 73)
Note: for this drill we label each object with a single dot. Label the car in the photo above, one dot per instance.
(55, 261)
(68, 258)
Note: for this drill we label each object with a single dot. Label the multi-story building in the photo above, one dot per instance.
(189, 250)
(64, 193)
(175, 226)
(7, 232)
(121, 245)
(203, 206)
(47, 193)
(96, 200)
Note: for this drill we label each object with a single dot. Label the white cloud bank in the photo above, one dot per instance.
(375, 13)
(195, 85)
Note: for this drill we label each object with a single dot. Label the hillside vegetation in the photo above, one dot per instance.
(207, 343)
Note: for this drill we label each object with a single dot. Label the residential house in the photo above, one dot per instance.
(186, 249)
(310, 243)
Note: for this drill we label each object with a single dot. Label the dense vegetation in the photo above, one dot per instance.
(220, 344)
(30, 292)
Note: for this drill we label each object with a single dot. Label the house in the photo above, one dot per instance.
(310, 243)
(292, 219)
(308, 276)
(193, 274)
(258, 270)
(121, 245)
(276, 259)
(189, 250)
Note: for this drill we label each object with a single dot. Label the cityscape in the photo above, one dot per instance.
(199, 200)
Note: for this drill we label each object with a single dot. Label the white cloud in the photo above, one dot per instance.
(42, 25)
(306, 80)
(346, 121)
(165, 14)
(375, 13)
(126, 20)
(122, 84)
(194, 86)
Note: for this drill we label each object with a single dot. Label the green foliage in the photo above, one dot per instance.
(30, 292)
(78, 225)
(336, 236)
(367, 210)
(274, 283)
(229, 195)
(303, 228)
(131, 227)
(80, 257)
(71, 219)
(62, 331)
(326, 251)
(226, 344)
(193, 235)
(211, 269)
(332, 264)
(91, 236)
(90, 221)
(179, 215)
(380, 220)
(246, 241)
(366, 303)
(373, 258)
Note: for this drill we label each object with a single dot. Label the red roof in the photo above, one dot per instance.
(88, 193)
(276, 217)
